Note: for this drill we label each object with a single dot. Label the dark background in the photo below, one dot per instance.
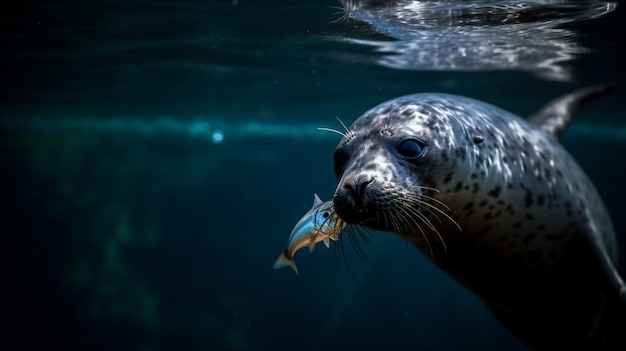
(124, 230)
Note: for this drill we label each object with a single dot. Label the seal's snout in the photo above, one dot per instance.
(352, 201)
(357, 190)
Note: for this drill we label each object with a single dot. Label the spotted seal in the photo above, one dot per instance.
(498, 204)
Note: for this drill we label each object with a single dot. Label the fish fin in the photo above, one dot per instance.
(311, 246)
(316, 200)
(334, 237)
(326, 242)
(554, 117)
(283, 261)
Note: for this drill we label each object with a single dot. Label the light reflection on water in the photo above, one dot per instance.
(475, 35)
(219, 130)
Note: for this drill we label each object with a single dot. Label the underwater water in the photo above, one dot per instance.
(156, 156)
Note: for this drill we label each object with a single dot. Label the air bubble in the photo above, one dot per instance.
(217, 137)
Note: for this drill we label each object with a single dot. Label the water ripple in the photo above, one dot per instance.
(475, 35)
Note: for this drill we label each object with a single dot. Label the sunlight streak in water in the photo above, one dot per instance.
(220, 131)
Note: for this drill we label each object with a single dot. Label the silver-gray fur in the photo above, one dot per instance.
(498, 204)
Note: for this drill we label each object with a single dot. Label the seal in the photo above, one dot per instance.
(495, 202)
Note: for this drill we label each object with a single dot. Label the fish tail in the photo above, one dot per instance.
(285, 260)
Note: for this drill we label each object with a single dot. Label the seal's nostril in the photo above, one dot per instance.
(357, 188)
(360, 187)
(352, 200)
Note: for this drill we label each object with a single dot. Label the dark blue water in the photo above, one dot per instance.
(156, 155)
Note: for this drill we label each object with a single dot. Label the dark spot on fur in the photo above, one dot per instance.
(468, 206)
(458, 187)
(447, 178)
(474, 175)
(491, 215)
(517, 225)
(475, 188)
(528, 238)
(528, 199)
(482, 203)
(540, 200)
(483, 231)
(495, 191)
(530, 217)
(444, 156)
(555, 237)
(461, 153)
(559, 173)
(509, 209)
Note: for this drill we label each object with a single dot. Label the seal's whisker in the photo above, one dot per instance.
(384, 217)
(422, 217)
(421, 202)
(430, 212)
(334, 131)
(344, 12)
(357, 235)
(442, 212)
(395, 222)
(402, 215)
(349, 132)
(342, 249)
(436, 200)
(356, 244)
(366, 236)
(429, 188)
(431, 226)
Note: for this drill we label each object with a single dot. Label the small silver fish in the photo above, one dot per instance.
(320, 223)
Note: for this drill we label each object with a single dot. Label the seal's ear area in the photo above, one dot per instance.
(556, 115)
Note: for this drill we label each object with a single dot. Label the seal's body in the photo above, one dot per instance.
(497, 203)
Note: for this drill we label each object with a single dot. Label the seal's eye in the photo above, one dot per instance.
(411, 149)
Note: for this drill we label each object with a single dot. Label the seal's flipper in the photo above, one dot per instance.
(556, 115)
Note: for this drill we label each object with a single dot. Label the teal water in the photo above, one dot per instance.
(156, 156)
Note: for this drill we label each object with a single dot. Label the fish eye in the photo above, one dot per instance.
(411, 149)
(325, 214)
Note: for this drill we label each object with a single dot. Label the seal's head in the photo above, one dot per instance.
(395, 160)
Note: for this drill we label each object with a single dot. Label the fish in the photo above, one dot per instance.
(320, 223)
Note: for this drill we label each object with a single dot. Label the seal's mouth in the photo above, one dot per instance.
(355, 203)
